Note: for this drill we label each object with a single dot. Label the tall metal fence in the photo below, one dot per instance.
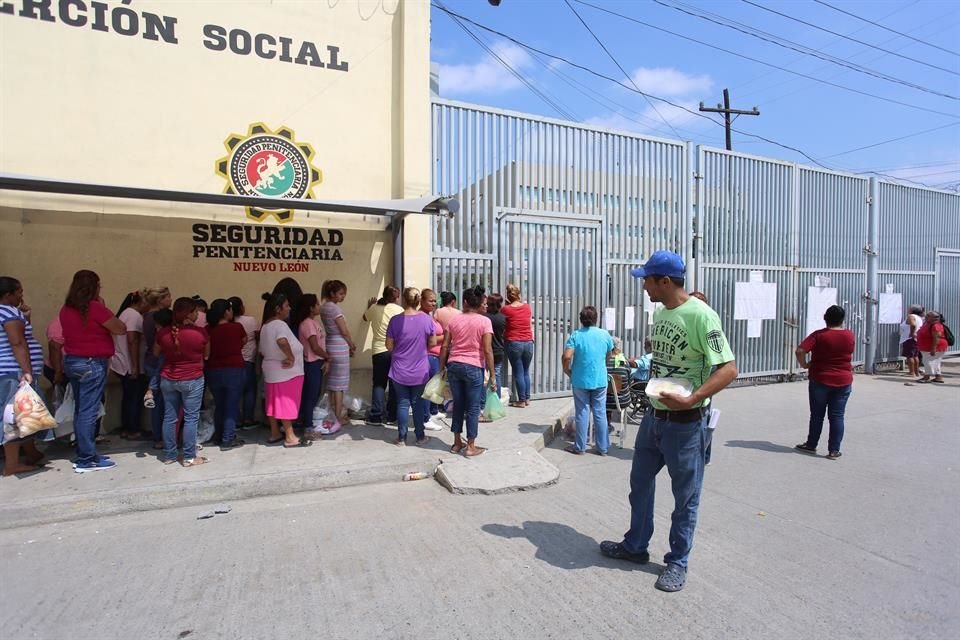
(565, 210)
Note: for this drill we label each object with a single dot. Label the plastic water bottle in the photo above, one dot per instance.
(416, 475)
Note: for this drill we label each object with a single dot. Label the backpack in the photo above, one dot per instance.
(947, 334)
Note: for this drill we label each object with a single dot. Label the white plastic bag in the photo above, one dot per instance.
(355, 407)
(435, 390)
(320, 412)
(64, 414)
(206, 427)
(30, 411)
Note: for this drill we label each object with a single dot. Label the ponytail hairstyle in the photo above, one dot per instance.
(133, 299)
(84, 289)
(447, 298)
(290, 289)
(200, 302)
(302, 312)
(513, 293)
(236, 303)
(390, 294)
(271, 303)
(163, 317)
(182, 309)
(152, 295)
(411, 298)
(217, 312)
(473, 298)
(331, 287)
(494, 303)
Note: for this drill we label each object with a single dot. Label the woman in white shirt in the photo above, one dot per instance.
(282, 371)
(127, 363)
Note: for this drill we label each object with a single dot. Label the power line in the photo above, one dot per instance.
(765, 63)
(877, 144)
(562, 111)
(877, 24)
(794, 46)
(620, 66)
(872, 46)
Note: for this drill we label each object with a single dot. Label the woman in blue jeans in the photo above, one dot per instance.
(225, 372)
(314, 341)
(518, 344)
(184, 347)
(585, 361)
(88, 330)
(467, 347)
(409, 335)
(831, 379)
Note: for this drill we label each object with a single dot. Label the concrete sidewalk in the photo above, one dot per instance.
(357, 455)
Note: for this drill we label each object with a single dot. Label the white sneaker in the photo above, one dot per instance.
(435, 423)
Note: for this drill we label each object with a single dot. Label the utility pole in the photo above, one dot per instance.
(726, 111)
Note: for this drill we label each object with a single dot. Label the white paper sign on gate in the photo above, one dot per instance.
(755, 301)
(819, 299)
(891, 308)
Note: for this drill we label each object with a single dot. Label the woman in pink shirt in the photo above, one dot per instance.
(88, 330)
(448, 308)
(184, 347)
(314, 341)
(467, 348)
(428, 304)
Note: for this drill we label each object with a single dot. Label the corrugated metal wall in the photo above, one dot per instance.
(566, 210)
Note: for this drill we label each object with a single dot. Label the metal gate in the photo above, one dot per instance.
(554, 260)
(946, 299)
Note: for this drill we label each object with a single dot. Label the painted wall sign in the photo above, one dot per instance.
(266, 248)
(269, 164)
(126, 21)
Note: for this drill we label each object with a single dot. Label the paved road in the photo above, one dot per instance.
(789, 546)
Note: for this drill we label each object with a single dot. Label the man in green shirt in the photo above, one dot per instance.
(688, 344)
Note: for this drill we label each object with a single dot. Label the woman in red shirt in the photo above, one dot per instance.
(184, 347)
(932, 342)
(88, 330)
(225, 371)
(831, 379)
(518, 344)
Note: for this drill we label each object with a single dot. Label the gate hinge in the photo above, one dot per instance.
(697, 176)
(868, 298)
(869, 199)
(868, 249)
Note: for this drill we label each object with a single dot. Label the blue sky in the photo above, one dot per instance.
(818, 119)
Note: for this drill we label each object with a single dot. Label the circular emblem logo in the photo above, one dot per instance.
(268, 164)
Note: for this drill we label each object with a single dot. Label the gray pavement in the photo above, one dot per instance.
(357, 455)
(788, 546)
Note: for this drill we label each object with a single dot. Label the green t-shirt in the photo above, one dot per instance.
(688, 342)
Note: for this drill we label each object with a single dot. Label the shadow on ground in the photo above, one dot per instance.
(562, 546)
(761, 445)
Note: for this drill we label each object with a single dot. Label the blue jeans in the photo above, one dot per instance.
(87, 378)
(178, 394)
(131, 405)
(407, 396)
(832, 402)
(383, 404)
(310, 396)
(680, 446)
(430, 409)
(249, 391)
(466, 387)
(520, 355)
(226, 385)
(585, 402)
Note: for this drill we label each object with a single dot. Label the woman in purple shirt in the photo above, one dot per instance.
(409, 335)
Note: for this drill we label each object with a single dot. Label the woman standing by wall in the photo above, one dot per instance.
(251, 325)
(21, 360)
(184, 346)
(428, 304)
(932, 342)
(88, 330)
(158, 299)
(340, 348)
(831, 379)
(408, 337)
(225, 371)
(518, 343)
(314, 340)
(499, 323)
(282, 370)
(128, 364)
(466, 351)
(383, 405)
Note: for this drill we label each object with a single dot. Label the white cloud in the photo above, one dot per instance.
(668, 82)
(647, 121)
(487, 76)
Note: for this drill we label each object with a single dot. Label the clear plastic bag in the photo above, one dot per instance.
(435, 389)
(30, 412)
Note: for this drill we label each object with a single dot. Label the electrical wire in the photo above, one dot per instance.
(620, 66)
(845, 37)
(877, 144)
(765, 63)
(794, 46)
(877, 24)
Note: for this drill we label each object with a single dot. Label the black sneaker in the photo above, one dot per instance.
(833, 455)
(373, 422)
(672, 578)
(226, 446)
(803, 446)
(617, 551)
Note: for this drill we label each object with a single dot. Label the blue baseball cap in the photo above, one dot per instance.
(661, 263)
